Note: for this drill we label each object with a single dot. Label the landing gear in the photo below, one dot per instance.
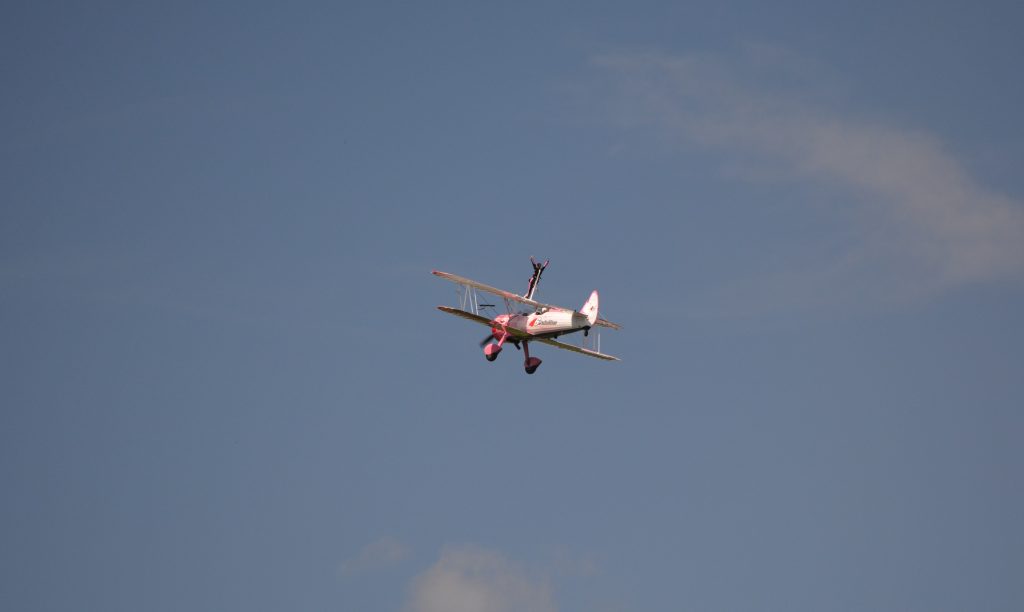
(491, 350)
(530, 363)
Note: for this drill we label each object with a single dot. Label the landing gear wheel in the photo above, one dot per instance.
(531, 365)
(491, 351)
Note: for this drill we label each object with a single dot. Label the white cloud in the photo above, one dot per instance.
(382, 553)
(471, 579)
(924, 223)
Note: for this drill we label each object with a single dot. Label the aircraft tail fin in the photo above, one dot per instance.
(589, 308)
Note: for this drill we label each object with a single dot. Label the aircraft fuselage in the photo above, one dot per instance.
(546, 324)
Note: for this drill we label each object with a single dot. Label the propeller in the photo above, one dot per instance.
(486, 339)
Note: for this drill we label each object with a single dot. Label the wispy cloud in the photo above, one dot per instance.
(472, 579)
(379, 554)
(565, 563)
(924, 224)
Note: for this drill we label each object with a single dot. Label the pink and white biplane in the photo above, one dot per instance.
(541, 323)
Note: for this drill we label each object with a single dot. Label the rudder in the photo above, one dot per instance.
(589, 308)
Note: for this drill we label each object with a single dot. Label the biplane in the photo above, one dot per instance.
(539, 322)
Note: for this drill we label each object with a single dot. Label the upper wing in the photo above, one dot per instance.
(575, 349)
(499, 292)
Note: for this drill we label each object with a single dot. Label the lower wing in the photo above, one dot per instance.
(516, 334)
(465, 315)
(576, 349)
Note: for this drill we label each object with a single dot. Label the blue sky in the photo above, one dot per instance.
(226, 387)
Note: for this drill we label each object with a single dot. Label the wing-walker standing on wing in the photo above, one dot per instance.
(540, 323)
(538, 269)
